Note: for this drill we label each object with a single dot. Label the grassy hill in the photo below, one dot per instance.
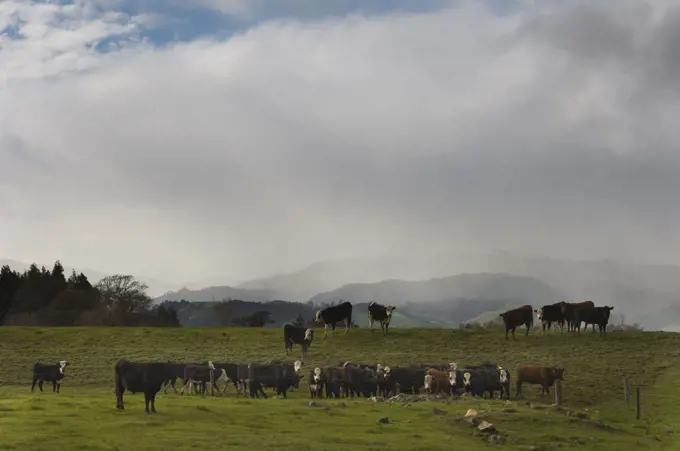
(83, 416)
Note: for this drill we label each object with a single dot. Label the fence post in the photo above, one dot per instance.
(558, 393)
(637, 403)
(211, 369)
(626, 390)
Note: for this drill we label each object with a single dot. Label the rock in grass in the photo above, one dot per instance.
(383, 420)
(438, 411)
(317, 404)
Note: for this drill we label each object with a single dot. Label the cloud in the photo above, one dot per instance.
(544, 131)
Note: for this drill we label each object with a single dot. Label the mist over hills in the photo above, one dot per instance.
(643, 293)
(448, 288)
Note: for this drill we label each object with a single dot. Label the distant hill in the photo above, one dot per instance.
(502, 288)
(218, 293)
(643, 293)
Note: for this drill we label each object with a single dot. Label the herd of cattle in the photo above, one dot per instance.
(347, 379)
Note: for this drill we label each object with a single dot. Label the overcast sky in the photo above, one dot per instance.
(179, 138)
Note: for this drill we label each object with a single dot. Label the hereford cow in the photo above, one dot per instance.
(146, 377)
(572, 313)
(437, 382)
(316, 382)
(381, 313)
(549, 314)
(53, 372)
(520, 316)
(297, 335)
(597, 316)
(545, 376)
(334, 314)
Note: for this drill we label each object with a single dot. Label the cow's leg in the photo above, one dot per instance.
(518, 389)
(333, 329)
(528, 329)
(325, 330)
(370, 323)
(153, 402)
(57, 386)
(147, 399)
(40, 384)
(35, 379)
(513, 332)
(348, 323)
(119, 397)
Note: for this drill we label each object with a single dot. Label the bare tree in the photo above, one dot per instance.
(123, 295)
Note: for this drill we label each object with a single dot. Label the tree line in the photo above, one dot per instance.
(42, 297)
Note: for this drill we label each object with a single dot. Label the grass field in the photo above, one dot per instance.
(83, 415)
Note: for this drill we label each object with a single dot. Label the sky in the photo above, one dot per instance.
(178, 139)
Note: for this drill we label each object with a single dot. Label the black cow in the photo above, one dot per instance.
(176, 372)
(146, 377)
(279, 376)
(49, 372)
(296, 335)
(549, 314)
(200, 374)
(597, 316)
(381, 313)
(334, 314)
(523, 315)
(572, 312)
(404, 380)
(333, 381)
(359, 381)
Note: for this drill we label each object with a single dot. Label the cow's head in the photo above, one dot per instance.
(62, 365)
(453, 366)
(318, 317)
(210, 365)
(297, 365)
(452, 378)
(379, 368)
(428, 382)
(539, 313)
(503, 374)
(387, 371)
(389, 309)
(344, 365)
(466, 379)
(317, 374)
(309, 334)
(607, 310)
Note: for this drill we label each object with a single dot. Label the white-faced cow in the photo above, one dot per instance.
(334, 314)
(297, 335)
(145, 377)
(381, 313)
(49, 372)
(549, 314)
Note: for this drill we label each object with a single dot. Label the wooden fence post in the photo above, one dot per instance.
(211, 368)
(637, 403)
(558, 393)
(626, 390)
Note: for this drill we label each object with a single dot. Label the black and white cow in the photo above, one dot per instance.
(297, 335)
(136, 377)
(334, 314)
(380, 313)
(49, 372)
(317, 382)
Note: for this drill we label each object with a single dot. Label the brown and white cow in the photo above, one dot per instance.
(437, 381)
